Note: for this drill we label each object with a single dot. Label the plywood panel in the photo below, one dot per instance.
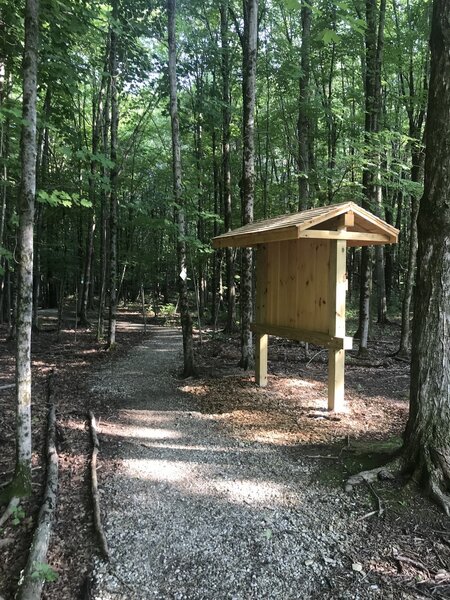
(297, 285)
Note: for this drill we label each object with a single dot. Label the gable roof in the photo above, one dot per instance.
(346, 221)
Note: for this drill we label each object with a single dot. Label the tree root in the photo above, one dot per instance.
(32, 581)
(436, 473)
(94, 488)
(386, 472)
(10, 509)
(441, 498)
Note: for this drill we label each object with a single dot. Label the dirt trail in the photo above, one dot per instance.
(192, 512)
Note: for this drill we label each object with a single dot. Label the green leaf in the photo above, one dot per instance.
(62, 198)
(328, 36)
(44, 572)
(85, 203)
(292, 4)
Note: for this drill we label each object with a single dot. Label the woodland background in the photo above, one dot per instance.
(104, 141)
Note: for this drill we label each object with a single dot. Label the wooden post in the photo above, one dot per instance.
(262, 341)
(337, 289)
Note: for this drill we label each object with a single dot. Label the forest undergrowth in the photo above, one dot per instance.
(288, 414)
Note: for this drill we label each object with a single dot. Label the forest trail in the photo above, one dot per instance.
(191, 512)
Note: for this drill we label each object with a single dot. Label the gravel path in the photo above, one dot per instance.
(191, 513)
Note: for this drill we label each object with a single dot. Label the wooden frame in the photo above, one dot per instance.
(301, 280)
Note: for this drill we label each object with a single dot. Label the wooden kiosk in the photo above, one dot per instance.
(301, 279)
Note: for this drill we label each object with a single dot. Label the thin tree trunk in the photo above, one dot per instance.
(226, 168)
(113, 182)
(216, 258)
(84, 322)
(303, 122)
(250, 40)
(372, 91)
(186, 321)
(103, 221)
(4, 152)
(41, 178)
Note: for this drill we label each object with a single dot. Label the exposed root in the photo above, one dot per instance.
(441, 498)
(386, 472)
(10, 509)
(436, 472)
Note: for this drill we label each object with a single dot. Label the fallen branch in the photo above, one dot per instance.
(328, 457)
(32, 581)
(401, 359)
(367, 515)
(94, 488)
(414, 563)
(380, 503)
(314, 356)
(8, 386)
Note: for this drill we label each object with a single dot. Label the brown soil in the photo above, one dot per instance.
(289, 413)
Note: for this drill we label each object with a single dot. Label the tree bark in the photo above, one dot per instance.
(303, 122)
(186, 321)
(104, 219)
(427, 442)
(113, 180)
(21, 485)
(4, 153)
(30, 587)
(372, 92)
(226, 169)
(250, 40)
(409, 283)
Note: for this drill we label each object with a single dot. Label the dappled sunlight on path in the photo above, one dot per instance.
(195, 512)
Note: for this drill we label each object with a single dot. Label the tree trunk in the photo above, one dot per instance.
(104, 219)
(250, 40)
(380, 264)
(303, 122)
(216, 258)
(409, 283)
(427, 442)
(186, 321)
(226, 169)
(4, 153)
(416, 168)
(372, 92)
(21, 485)
(113, 182)
(84, 322)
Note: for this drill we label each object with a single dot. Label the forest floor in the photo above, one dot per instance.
(214, 488)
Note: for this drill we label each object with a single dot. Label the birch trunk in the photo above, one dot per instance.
(186, 321)
(22, 478)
